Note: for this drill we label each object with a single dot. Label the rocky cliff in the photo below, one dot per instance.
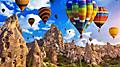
(93, 54)
(34, 58)
(13, 49)
(53, 43)
(53, 38)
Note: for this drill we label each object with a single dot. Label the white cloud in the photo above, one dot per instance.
(1, 23)
(37, 4)
(85, 39)
(95, 42)
(86, 35)
(7, 12)
(69, 34)
(38, 38)
(49, 22)
(45, 28)
(27, 31)
(81, 42)
(24, 22)
(10, 3)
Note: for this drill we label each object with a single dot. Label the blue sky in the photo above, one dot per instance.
(58, 7)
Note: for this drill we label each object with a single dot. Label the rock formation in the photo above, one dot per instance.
(53, 43)
(13, 49)
(34, 58)
(53, 38)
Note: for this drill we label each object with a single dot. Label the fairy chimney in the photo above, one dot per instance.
(13, 49)
(34, 58)
(53, 38)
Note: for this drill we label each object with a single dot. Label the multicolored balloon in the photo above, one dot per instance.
(94, 13)
(44, 13)
(101, 16)
(113, 31)
(79, 12)
(22, 4)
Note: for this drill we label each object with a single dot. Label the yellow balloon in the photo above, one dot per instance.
(113, 31)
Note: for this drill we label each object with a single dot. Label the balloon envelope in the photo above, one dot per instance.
(22, 3)
(113, 31)
(79, 12)
(44, 13)
(31, 21)
(101, 17)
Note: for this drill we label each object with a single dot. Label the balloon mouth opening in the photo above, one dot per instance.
(45, 21)
(113, 37)
(81, 34)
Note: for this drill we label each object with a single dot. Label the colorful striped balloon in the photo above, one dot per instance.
(44, 13)
(82, 10)
(22, 4)
(89, 9)
(101, 17)
(79, 11)
(94, 13)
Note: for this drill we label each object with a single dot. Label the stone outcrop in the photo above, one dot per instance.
(34, 58)
(53, 38)
(53, 43)
(13, 49)
(94, 54)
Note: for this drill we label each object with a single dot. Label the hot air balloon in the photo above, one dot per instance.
(56, 16)
(27, 38)
(90, 39)
(95, 9)
(22, 3)
(44, 13)
(101, 17)
(79, 12)
(89, 4)
(52, 1)
(113, 31)
(31, 21)
(3, 10)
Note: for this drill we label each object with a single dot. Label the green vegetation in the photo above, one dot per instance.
(66, 62)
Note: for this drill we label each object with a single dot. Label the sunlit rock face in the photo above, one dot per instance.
(13, 48)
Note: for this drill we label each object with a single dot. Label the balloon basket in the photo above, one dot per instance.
(98, 30)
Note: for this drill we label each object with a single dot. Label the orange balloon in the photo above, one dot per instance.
(22, 4)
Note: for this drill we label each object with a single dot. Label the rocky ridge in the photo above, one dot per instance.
(91, 53)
